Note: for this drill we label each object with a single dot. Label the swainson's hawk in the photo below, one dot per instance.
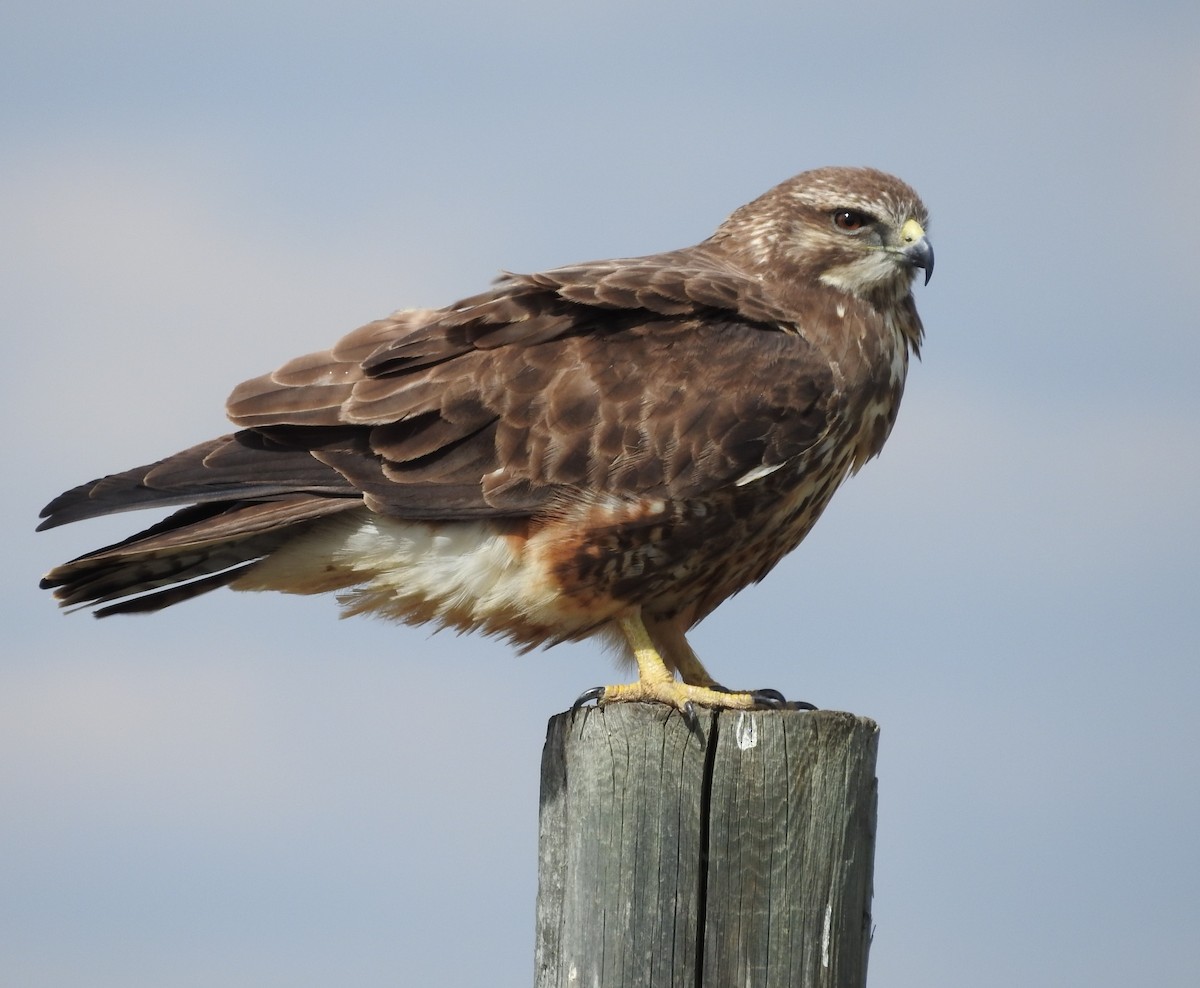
(613, 447)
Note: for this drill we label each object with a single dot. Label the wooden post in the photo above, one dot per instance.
(736, 855)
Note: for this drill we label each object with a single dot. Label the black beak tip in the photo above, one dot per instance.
(922, 257)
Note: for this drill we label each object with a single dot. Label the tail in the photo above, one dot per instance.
(245, 498)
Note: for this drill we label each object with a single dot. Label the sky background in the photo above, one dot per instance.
(245, 791)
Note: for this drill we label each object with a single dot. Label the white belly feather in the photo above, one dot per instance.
(467, 575)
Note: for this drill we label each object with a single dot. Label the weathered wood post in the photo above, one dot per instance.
(737, 855)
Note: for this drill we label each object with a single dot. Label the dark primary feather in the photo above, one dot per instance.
(247, 464)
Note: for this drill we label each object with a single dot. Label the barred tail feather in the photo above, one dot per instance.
(193, 551)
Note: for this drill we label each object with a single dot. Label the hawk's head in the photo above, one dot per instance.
(858, 230)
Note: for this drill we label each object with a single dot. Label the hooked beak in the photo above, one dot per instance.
(916, 247)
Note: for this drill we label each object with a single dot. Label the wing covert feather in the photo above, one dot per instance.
(665, 376)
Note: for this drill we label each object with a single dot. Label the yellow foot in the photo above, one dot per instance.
(683, 697)
(679, 695)
(657, 684)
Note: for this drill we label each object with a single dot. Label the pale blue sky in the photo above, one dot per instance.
(246, 791)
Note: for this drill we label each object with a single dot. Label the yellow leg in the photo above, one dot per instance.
(678, 653)
(651, 666)
(656, 683)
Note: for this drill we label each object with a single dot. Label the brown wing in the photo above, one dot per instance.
(640, 378)
(630, 378)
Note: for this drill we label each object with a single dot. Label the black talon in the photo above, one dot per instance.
(769, 698)
(690, 717)
(774, 700)
(587, 696)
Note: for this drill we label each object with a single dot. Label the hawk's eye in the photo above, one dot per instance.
(851, 220)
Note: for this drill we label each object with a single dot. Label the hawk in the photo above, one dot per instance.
(608, 448)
